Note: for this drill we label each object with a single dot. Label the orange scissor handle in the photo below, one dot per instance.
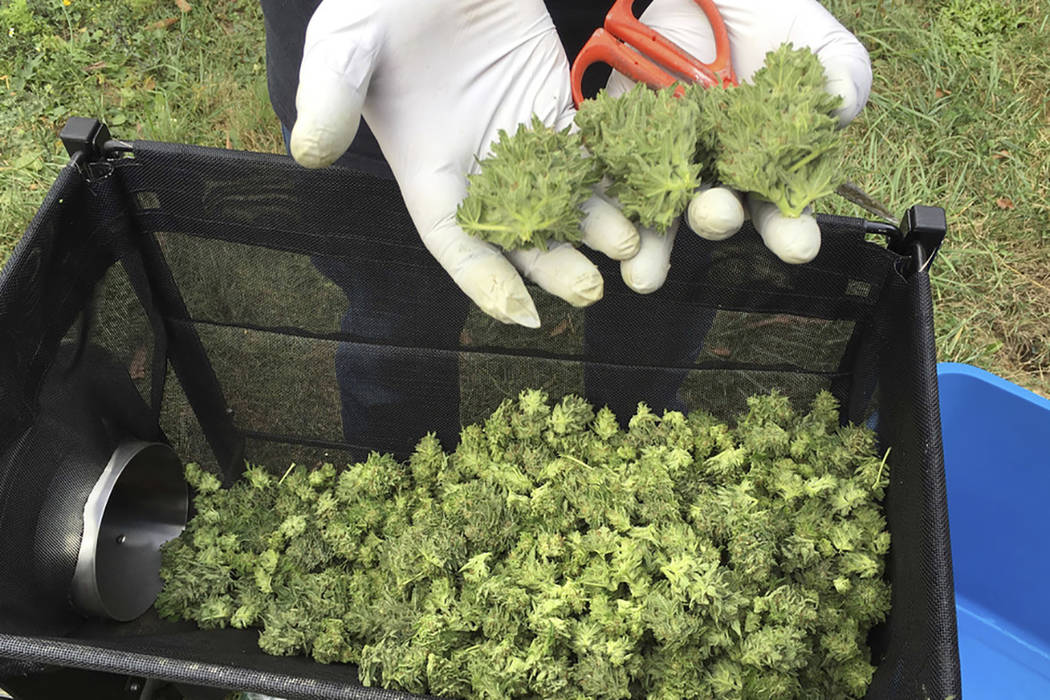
(602, 47)
(644, 55)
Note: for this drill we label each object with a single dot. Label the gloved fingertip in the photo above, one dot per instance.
(587, 289)
(327, 119)
(306, 151)
(518, 309)
(793, 240)
(715, 214)
(646, 272)
(606, 230)
(484, 275)
(527, 320)
(643, 285)
(644, 279)
(316, 144)
(800, 252)
(562, 271)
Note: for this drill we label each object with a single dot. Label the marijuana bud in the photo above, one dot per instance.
(203, 482)
(529, 191)
(777, 135)
(646, 141)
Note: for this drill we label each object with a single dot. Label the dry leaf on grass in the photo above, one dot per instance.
(1004, 203)
(183, 5)
(163, 24)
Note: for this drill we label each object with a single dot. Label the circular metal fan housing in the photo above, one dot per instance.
(139, 502)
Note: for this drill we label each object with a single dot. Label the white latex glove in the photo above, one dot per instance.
(436, 81)
(755, 28)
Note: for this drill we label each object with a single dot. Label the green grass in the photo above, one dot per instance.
(958, 118)
(144, 67)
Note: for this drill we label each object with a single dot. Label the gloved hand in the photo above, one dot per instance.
(755, 27)
(436, 81)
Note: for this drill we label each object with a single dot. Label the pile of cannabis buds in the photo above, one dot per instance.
(557, 554)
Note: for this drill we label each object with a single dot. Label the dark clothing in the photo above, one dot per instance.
(286, 22)
(384, 388)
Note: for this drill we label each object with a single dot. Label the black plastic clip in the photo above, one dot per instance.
(88, 141)
(84, 138)
(922, 232)
(919, 235)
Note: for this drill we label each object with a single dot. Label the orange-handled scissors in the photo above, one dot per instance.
(644, 55)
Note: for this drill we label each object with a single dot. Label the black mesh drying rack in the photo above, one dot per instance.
(240, 307)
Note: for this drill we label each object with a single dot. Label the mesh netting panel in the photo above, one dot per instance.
(180, 425)
(122, 328)
(922, 622)
(275, 314)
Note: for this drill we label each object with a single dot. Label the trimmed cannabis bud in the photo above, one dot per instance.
(778, 136)
(646, 142)
(530, 190)
(554, 554)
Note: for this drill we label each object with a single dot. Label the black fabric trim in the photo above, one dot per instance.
(65, 653)
(489, 351)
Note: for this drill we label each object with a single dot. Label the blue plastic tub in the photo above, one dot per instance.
(997, 465)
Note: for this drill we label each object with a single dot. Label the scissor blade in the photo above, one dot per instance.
(853, 193)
